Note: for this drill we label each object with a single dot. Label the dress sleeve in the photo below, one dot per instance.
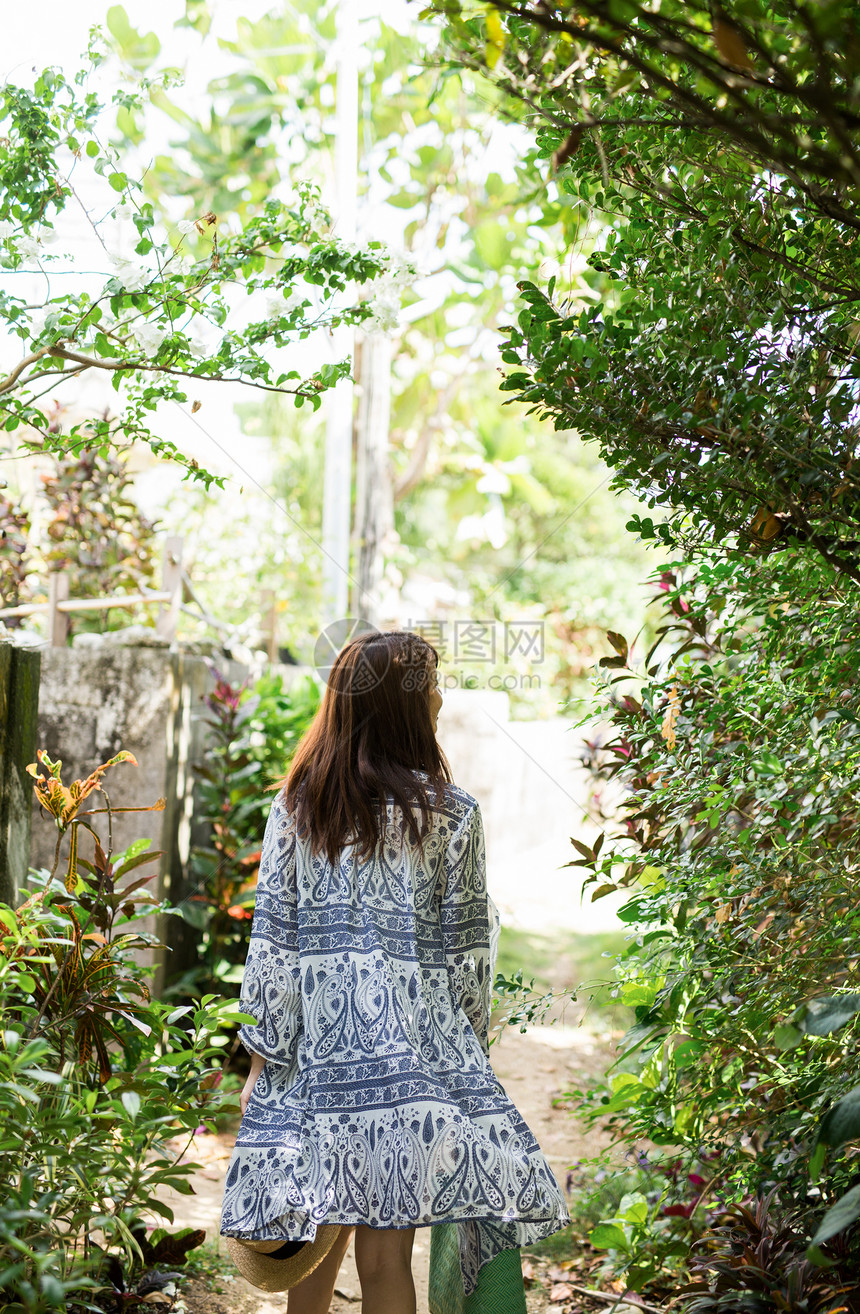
(271, 983)
(465, 923)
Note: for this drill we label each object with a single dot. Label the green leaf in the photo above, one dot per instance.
(816, 1162)
(178, 1013)
(786, 1036)
(817, 1256)
(842, 1122)
(136, 48)
(131, 1103)
(821, 1016)
(608, 1236)
(633, 1207)
(163, 1210)
(841, 1215)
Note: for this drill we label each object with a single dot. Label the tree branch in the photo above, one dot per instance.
(11, 379)
(825, 165)
(418, 458)
(93, 362)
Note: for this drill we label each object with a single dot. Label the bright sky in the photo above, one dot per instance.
(42, 32)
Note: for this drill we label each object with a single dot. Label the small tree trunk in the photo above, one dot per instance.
(374, 500)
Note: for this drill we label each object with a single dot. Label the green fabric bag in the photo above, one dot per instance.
(500, 1288)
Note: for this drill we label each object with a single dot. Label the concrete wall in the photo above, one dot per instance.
(19, 695)
(92, 704)
(103, 697)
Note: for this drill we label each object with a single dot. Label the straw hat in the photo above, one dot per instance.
(279, 1265)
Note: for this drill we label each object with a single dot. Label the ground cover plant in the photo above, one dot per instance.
(717, 152)
(95, 1075)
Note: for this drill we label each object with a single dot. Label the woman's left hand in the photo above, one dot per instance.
(257, 1065)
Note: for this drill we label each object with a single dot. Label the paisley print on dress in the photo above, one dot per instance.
(369, 983)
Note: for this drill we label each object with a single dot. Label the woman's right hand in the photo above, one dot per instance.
(257, 1065)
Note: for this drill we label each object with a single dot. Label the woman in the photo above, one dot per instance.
(371, 1102)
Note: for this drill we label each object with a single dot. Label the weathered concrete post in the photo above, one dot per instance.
(19, 705)
(113, 693)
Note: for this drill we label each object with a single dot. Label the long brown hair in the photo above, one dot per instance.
(372, 732)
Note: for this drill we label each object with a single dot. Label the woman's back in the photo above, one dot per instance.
(370, 985)
(368, 979)
(386, 952)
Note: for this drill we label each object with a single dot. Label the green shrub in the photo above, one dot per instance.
(96, 1077)
(739, 751)
(709, 351)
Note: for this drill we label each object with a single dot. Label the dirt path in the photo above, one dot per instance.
(534, 1068)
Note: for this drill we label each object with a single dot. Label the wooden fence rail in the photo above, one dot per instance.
(59, 605)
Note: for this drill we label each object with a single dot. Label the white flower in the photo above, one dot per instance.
(124, 212)
(200, 340)
(385, 307)
(150, 336)
(186, 226)
(400, 272)
(278, 303)
(38, 320)
(182, 262)
(275, 306)
(384, 319)
(27, 247)
(6, 229)
(403, 276)
(387, 301)
(131, 276)
(316, 217)
(47, 236)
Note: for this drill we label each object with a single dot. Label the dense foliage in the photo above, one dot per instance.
(717, 152)
(739, 753)
(96, 1077)
(718, 370)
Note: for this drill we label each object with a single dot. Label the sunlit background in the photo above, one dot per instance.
(487, 513)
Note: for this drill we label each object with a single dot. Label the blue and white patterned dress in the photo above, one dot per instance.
(370, 986)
